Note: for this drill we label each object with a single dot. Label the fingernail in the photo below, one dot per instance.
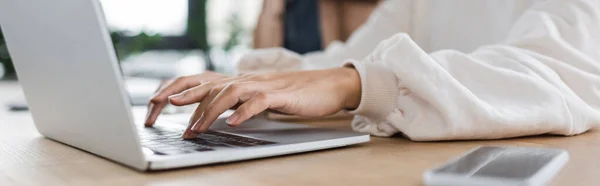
(176, 97)
(187, 134)
(232, 119)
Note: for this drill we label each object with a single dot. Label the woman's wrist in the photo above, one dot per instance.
(352, 87)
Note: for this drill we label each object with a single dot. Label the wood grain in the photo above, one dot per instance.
(26, 158)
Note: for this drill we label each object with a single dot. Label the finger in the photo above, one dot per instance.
(198, 93)
(160, 99)
(150, 106)
(200, 109)
(201, 93)
(188, 133)
(226, 99)
(256, 104)
(192, 95)
(237, 83)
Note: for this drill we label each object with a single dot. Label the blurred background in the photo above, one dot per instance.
(164, 39)
(157, 40)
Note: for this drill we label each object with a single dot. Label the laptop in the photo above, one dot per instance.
(69, 73)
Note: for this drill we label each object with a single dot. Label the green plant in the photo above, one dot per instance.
(127, 45)
(236, 31)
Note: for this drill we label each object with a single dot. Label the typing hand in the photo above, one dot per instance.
(176, 86)
(304, 93)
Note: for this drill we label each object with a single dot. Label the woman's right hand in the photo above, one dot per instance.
(176, 86)
(261, 60)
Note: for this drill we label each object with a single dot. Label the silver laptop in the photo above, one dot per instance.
(69, 72)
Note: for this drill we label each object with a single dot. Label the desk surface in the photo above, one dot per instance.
(26, 158)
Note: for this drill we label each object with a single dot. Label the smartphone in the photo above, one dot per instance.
(495, 166)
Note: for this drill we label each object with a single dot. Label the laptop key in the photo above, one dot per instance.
(204, 142)
(168, 141)
(239, 144)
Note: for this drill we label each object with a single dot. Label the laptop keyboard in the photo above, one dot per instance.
(166, 141)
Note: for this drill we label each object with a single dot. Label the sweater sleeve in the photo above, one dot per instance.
(544, 78)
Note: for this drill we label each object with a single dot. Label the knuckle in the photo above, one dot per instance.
(180, 79)
(261, 96)
(166, 83)
(157, 100)
(235, 88)
(209, 83)
(214, 91)
(206, 82)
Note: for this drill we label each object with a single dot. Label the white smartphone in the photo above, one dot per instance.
(495, 166)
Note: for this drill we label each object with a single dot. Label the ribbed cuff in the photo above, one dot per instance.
(379, 90)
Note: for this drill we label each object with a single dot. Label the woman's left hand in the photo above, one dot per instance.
(305, 93)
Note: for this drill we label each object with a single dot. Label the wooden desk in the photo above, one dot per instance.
(26, 158)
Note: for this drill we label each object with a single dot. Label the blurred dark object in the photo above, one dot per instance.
(197, 30)
(337, 20)
(17, 104)
(196, 24)
(5, 58)
(301, 29)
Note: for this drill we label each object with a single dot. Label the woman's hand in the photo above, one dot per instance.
(176, 86)
(304, 93)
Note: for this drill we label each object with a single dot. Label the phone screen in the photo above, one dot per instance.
(501, 162)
